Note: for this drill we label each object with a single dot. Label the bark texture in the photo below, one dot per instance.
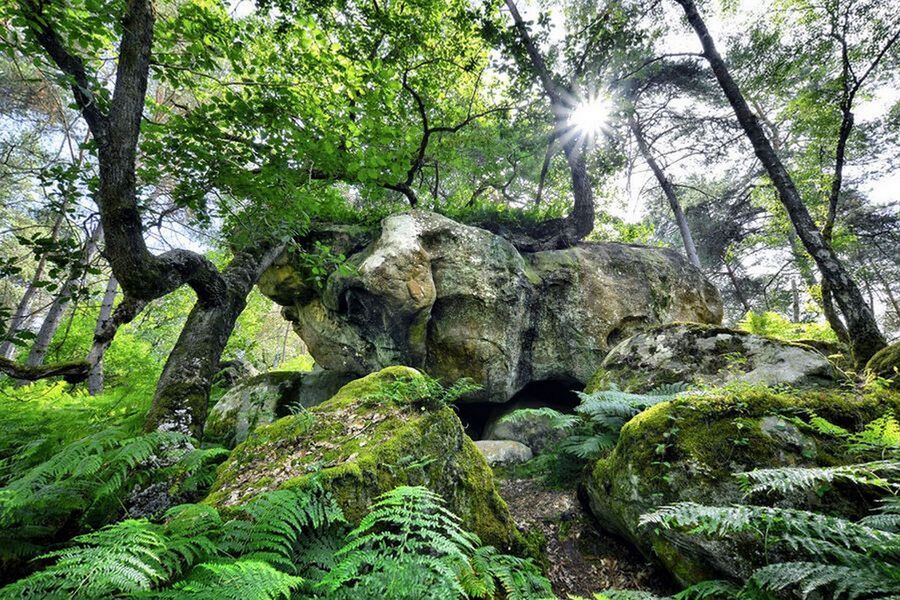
(182, 394)
(95, 378)
(865, 337)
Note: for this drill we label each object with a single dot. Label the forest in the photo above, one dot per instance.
(483, 299)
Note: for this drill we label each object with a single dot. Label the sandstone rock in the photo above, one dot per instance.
(686, 450)
(232, 372)
(693, 353)
(459, 301)
(262, 399)
(504, 452)
(362, 443)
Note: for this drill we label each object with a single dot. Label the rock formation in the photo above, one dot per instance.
(362, 443)
(459, 301)
(698, 354)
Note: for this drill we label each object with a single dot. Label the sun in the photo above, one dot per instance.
(589, 117)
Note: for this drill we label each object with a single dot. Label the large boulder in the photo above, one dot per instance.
(686, 450)
(459, 301)
(262, 399)
(375, 434)
(704, 354)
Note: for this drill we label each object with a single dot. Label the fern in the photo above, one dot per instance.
(852, 559)
(268, 527)
(788, 479)
(250, 579)
(129, 556)
(555, 419)
(410, 546)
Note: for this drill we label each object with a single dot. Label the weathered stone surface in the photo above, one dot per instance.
(886, 364)
(459, 301)
(693, 353)
(262, 399)
(686, 450)
(233, 372)
(504, 452)
(362, 443)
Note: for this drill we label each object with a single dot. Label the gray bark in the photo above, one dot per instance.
(20, 317)
(95, 377)
(669, 190)
(57, 309)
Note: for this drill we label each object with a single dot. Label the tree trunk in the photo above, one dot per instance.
(560, 233)
(669, 190)
(795, 295)
(20, 317)
(865, 337)
(737, 288)
(95, 377)
(58, 308)
(182, 394)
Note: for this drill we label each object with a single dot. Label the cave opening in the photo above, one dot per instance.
(558, 394)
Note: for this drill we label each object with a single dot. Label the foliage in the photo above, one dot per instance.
(86, 481)
(425, 391)
(408, 546)
(772, 324)
(830, 554)
(594, 427)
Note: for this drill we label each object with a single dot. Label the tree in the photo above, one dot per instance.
(866, 338)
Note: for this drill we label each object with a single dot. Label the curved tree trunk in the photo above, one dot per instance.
(182, 394)
(865, 337)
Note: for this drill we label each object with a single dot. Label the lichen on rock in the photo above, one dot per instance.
(686, 450)
(262, 399)
(711, 355)
(362, 443)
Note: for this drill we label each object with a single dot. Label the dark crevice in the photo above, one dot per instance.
(553, 393)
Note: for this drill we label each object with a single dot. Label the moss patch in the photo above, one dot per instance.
(362, 443)
(886, 364)
(687, 450)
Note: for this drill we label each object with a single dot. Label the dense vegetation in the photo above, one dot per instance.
(159, 157)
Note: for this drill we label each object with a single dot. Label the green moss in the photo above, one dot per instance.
(362, 443)
(687, 450)
(886, 364)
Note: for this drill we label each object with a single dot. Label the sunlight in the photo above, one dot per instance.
(590, 116)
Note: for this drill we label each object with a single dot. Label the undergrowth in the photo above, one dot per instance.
(282, 543)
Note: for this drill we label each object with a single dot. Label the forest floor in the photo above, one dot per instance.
(582, 559)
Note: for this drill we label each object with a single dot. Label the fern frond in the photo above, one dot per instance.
(882, 474)
(807, 577)
(556, 419)
(246, 579)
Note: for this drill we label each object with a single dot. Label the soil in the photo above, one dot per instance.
(583, 560)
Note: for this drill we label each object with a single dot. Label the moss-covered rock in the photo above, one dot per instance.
(708, 354)
(368, 439)
(262, 399)
(886, 364)
(686, 451)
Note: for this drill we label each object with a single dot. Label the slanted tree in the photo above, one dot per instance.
(865, 337)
